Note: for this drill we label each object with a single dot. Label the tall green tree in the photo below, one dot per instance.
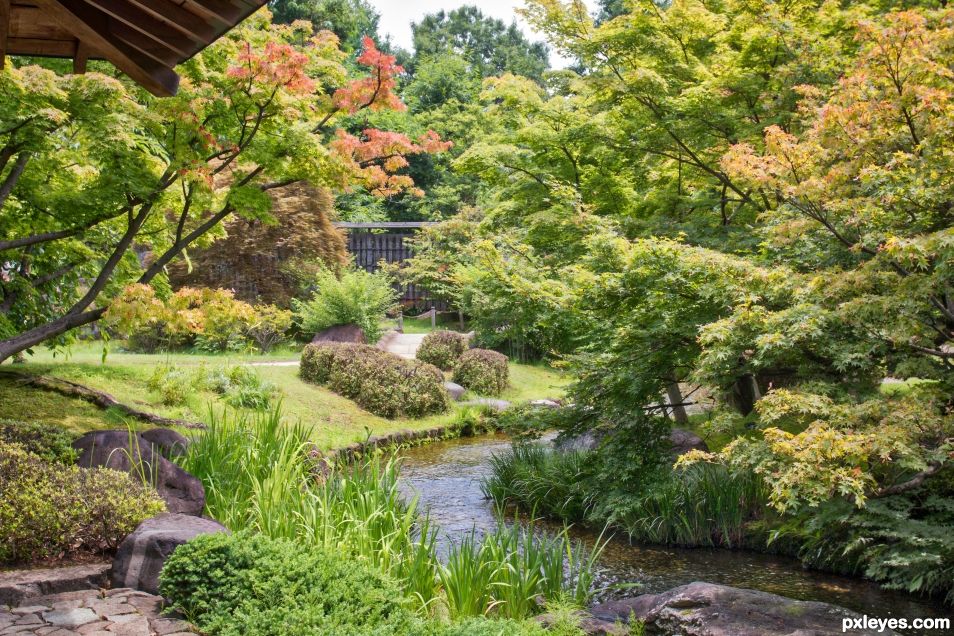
(350, 20)
(94, 171)
(489, 46)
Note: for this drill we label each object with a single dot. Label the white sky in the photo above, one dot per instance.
(397, 15)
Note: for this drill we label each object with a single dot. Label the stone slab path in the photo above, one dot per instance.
(402, 344)
(118, 612)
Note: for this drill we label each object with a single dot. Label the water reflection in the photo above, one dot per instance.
(446, 477)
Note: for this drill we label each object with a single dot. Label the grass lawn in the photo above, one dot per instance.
(337, 421)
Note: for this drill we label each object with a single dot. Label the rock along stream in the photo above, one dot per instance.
(446, 476)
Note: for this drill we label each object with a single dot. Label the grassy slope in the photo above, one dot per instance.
(336, 420)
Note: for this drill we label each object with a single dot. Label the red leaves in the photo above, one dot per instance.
(278, 66)
(377, 154)
(376, 91)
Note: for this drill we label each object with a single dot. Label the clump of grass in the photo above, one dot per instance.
(259, 477)
(533, 477)
(512, 569)
(701, 505)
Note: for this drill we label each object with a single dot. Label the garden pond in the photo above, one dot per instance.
(446, 476)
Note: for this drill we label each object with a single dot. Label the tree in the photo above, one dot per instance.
(350, 20)
(489, 46)
(93, 171)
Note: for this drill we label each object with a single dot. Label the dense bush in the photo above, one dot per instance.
(353, 297)
(482, 371)
(50, 442)
(172, 384)
(442, 348)
(380, 382)
(50, 510)
(253, 585)
(240, 386)
(208, 319)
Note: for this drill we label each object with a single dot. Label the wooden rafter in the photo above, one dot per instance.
(145, 39)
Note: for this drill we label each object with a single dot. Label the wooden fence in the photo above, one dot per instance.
(372, 243)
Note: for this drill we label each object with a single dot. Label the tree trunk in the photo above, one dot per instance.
(675, 402)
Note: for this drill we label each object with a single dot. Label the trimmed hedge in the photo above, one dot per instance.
(50, 509)
(483, 371)
(379, 382)
(252, 585)
(442, 349)
(50, 442)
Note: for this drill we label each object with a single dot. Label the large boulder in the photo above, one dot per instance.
(142, 554)
(707, 609)
(168, 442)
(341, 333)
(454, 390)
(684, 441)
(132, 453)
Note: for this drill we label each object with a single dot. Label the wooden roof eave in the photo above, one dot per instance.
(145, 39)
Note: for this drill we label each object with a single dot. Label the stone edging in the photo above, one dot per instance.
(395, 440)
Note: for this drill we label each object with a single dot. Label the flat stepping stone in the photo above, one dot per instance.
(495, 404)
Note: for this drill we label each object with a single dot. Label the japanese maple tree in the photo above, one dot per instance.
(94, 171)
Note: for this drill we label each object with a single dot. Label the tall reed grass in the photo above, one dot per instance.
(512, 569)
(701, 505)
(258, 476)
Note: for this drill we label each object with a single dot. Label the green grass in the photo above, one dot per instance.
(448, 322)
(334, 420)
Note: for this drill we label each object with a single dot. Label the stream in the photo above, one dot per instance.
(446, 477)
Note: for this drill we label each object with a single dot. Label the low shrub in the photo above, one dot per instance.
(351, 297)
(483, 371)
(49, 510)
(172, 384)
(50, 442)
(253, 585)
(380, 382)
(442, 348)
(240, 386)
(207, 319)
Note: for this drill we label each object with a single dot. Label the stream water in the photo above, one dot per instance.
(446, 476)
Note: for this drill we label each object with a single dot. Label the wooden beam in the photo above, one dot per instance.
(4, 30)
(221, 11)
(79, 59)
(135, 40)
(90, 25)
(184, 21)
(146, 25)
(41, 48)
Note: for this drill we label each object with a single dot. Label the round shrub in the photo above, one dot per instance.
(442, 348)
(378, 381)
(483, 371)
(53, 509)
(50, 442)
(253, 585)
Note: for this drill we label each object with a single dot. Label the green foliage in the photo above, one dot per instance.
(482, 371)
(258, 476)
(442, 348)
(901, 541)
(480, 626)
(51, 509)
(172, 383)
(253, 584)
(210, 320)
(512, 568)
(350, 20)
(351, 297)
(534, 478)
(48, 441)
(262, 109)
(489, 46)
(378, 381)
(240, 386)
